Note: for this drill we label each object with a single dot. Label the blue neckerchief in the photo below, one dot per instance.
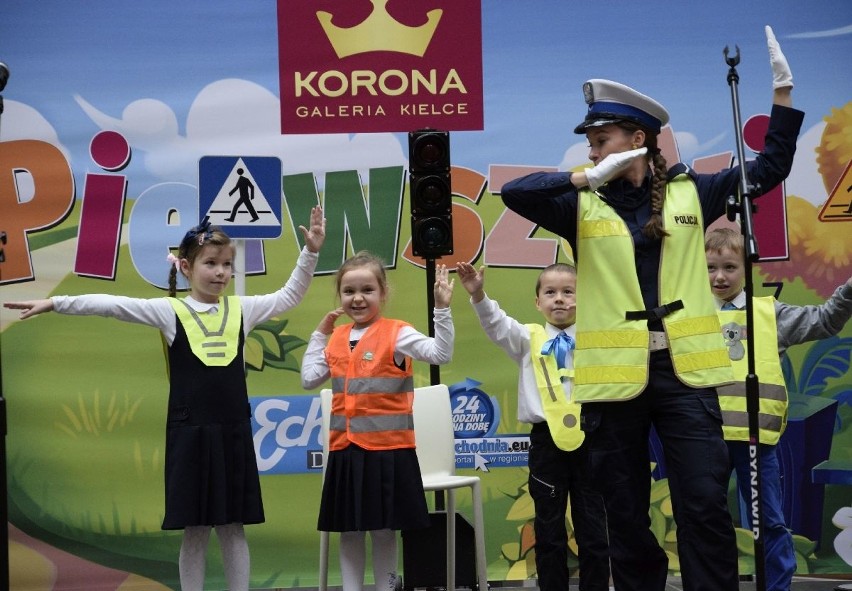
(559, 346)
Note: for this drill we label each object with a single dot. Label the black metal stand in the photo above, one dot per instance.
(4, 488)
(745, 208)
(434, 370)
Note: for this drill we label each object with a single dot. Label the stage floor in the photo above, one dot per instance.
(821, 583)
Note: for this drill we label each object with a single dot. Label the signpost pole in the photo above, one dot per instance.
(240, 267)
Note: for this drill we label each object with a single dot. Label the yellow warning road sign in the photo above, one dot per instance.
(838, 208)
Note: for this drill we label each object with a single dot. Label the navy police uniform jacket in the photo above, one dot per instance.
(550, 200)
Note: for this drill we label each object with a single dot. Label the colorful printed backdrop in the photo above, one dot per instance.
(126, 102)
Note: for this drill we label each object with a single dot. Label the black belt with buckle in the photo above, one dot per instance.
(657, 313)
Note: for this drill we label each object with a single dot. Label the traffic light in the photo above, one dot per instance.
(431, 193)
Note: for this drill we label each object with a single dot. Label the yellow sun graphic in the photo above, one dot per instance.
(835, 149)
(819, 254)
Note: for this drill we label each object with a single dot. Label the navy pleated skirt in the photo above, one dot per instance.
(366, 490)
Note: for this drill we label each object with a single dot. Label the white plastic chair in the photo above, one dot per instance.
(433, 431)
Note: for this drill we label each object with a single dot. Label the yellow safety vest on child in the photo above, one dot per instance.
(772, 415)
(214, 338)
(563, 415)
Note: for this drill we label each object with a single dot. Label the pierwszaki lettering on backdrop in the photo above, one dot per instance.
(379, 66)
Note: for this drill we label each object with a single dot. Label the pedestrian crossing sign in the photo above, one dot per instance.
(241, 194)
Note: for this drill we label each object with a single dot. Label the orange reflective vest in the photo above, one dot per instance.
(372, 402)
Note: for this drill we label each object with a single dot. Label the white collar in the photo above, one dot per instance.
(203, 307)
(552, 331)
(739, 301)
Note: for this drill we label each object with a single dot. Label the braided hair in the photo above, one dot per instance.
(654, 227)
(193, 241)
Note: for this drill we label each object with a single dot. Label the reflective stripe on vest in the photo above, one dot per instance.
(372, 399)
(214, 338)
(611, 359)
(563, 415)
(772, 413)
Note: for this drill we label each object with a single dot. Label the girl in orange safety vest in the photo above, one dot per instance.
(372, 479)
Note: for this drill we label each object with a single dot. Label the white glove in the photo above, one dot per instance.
(611, 166)
(781, 75)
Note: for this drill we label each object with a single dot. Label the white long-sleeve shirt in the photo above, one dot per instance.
(409, 342)
(158, 312)
(514, 338)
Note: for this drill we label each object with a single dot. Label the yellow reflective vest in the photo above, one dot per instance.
(772, 414)
(563, 415)
(214, 338)
(612, 354)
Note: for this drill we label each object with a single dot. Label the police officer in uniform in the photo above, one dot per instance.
(648, 351)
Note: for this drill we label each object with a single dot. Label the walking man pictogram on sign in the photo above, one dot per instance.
(242, 194)
(246, 188)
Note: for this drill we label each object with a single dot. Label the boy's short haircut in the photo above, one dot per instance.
(719, 239)
(559, 268)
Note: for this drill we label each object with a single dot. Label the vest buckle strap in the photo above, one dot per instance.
(658, 340)
(657, 313)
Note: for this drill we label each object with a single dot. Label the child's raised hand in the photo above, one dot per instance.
(443, 287)
(472, 280)
(31, 307)
(315, 236)
(326, 325)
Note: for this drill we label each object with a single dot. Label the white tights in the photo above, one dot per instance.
(235, 556)
(353, 559)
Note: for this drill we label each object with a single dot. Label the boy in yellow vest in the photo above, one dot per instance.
(557, 457)
(776, 326)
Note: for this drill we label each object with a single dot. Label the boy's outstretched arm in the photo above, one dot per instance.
(801, 324)
(31, 307)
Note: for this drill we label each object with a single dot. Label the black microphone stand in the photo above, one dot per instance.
(4, 489)
(745, 208)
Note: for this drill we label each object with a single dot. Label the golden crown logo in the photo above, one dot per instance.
(380, 32)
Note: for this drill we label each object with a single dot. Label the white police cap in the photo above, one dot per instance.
(611, 102)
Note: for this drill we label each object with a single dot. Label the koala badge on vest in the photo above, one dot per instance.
(734, 334)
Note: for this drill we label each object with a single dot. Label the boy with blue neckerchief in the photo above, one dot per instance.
(557, 458)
